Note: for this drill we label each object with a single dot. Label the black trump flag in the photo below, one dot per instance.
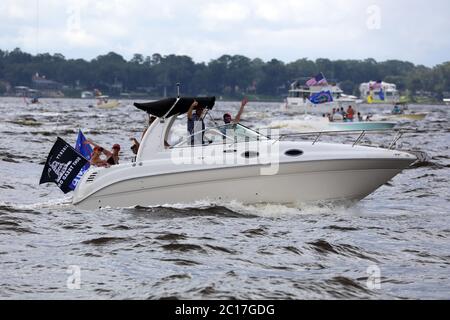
(63, 165)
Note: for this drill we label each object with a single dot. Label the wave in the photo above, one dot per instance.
(49, 204)
(235, 209)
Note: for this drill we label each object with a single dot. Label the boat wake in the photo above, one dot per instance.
(49, 204)
(238, 209)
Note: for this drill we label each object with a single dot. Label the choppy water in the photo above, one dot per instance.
(209, 251)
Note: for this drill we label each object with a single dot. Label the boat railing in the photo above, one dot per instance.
(317, 135)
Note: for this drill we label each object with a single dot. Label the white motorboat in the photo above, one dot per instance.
(379, 92)
(235, 164)
(87, 95)
(298, 99)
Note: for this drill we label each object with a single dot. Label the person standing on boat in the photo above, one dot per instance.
(350, 113)
(195, 123)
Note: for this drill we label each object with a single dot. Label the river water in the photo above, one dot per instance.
(395, 244)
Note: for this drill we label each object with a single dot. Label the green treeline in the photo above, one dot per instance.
(231, 76)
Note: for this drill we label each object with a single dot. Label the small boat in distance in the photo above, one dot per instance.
(87, 95)
(104, 102)
(400, 112)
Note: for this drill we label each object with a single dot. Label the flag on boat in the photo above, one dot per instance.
(62, 165)
(85, 150)
(321, 97)
(319, 79)
(381, 94)
(370, 98)
(376, 85)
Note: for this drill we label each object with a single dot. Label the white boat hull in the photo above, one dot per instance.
(295, 182)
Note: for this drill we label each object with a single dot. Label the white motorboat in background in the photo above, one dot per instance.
(400, 112)
(379, 92)
(298, 99)
(235, 163)
(87, 95)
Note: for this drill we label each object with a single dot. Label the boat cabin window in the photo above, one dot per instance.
(229, 133)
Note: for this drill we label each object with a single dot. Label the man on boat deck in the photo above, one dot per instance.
(227, 117)
(350, 113)
(195, 123)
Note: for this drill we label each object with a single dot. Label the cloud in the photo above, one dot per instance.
(203, 29)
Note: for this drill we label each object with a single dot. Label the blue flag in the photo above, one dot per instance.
(86, 151)
(381, 94)
(321, 97)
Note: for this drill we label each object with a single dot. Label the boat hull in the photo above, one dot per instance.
(366, 126)
(301, 182)
(109, 105)
(409, 116)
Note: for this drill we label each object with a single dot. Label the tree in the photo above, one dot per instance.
(233, 75)
(137, 58)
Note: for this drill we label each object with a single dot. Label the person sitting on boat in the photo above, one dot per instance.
(350, 113)
(112, 156)
(343, 113)
(135, 147)
(194, 121)
(136, 144)
(330, 117)
(396, 110)
(360, 117)
(96, 159)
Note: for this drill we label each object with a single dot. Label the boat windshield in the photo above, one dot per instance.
(228, 133)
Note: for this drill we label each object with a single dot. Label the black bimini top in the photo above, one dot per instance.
(161, 107)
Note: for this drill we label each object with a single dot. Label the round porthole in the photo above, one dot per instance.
(294, 153)
(250, 154)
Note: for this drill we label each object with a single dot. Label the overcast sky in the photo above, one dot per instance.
(413, 30)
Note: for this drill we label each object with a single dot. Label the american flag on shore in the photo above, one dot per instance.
(319, 79)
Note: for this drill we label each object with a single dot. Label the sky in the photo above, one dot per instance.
(287, 30)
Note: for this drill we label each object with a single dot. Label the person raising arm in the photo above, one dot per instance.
(112, 156)
(194, 119)
(227, 117)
